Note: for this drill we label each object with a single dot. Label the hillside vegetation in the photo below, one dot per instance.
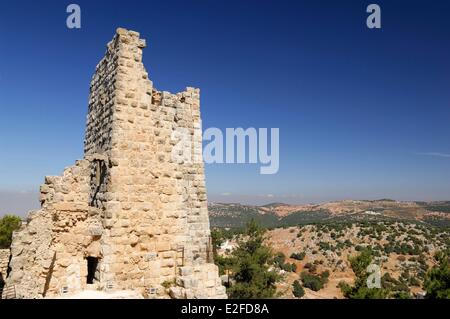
(329, 259)
(280, 215)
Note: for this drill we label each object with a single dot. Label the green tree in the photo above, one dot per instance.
(279, 259)
(218, 237)
(360, 290)
(360, 262)
(297, 289)
(398, 289)
(314, 282)
(8, 224)
(251, 260)
(437, 279)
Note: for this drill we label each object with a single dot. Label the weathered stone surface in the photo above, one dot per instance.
(128, 215)
(4, 260)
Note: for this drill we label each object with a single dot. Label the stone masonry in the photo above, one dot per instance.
(127, 216)
(4, 260)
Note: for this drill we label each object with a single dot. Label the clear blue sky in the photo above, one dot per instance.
(362, 113)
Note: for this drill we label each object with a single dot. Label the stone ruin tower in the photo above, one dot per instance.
(127, 216)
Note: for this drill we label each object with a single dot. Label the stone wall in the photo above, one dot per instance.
(4, 260)
(128, 205)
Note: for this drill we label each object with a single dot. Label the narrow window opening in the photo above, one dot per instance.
(97, 179)
(98, 173)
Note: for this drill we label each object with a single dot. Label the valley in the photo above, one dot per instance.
(311, 240)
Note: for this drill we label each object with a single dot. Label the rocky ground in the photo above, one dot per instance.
(403, 248)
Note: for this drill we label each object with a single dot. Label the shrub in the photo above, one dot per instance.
(311, 281)
(298, 256)
(325, 275)
(279, 259)
(297, 289)
(314, 282)
(324, 246)
(345, 288)
(413, 281)
(8, 224)
(289, 267)
(311, 267)
(437, 279)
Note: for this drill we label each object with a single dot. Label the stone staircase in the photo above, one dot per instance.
(8, 292)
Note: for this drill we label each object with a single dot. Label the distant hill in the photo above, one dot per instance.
(270, 205)
(279, 214)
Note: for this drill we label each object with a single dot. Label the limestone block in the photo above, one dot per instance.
(221, 290)
(177, 292)
(167, 254)
(95, 231)
(185, 271)
(168, 263)
(166, 271)
(162, 246)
